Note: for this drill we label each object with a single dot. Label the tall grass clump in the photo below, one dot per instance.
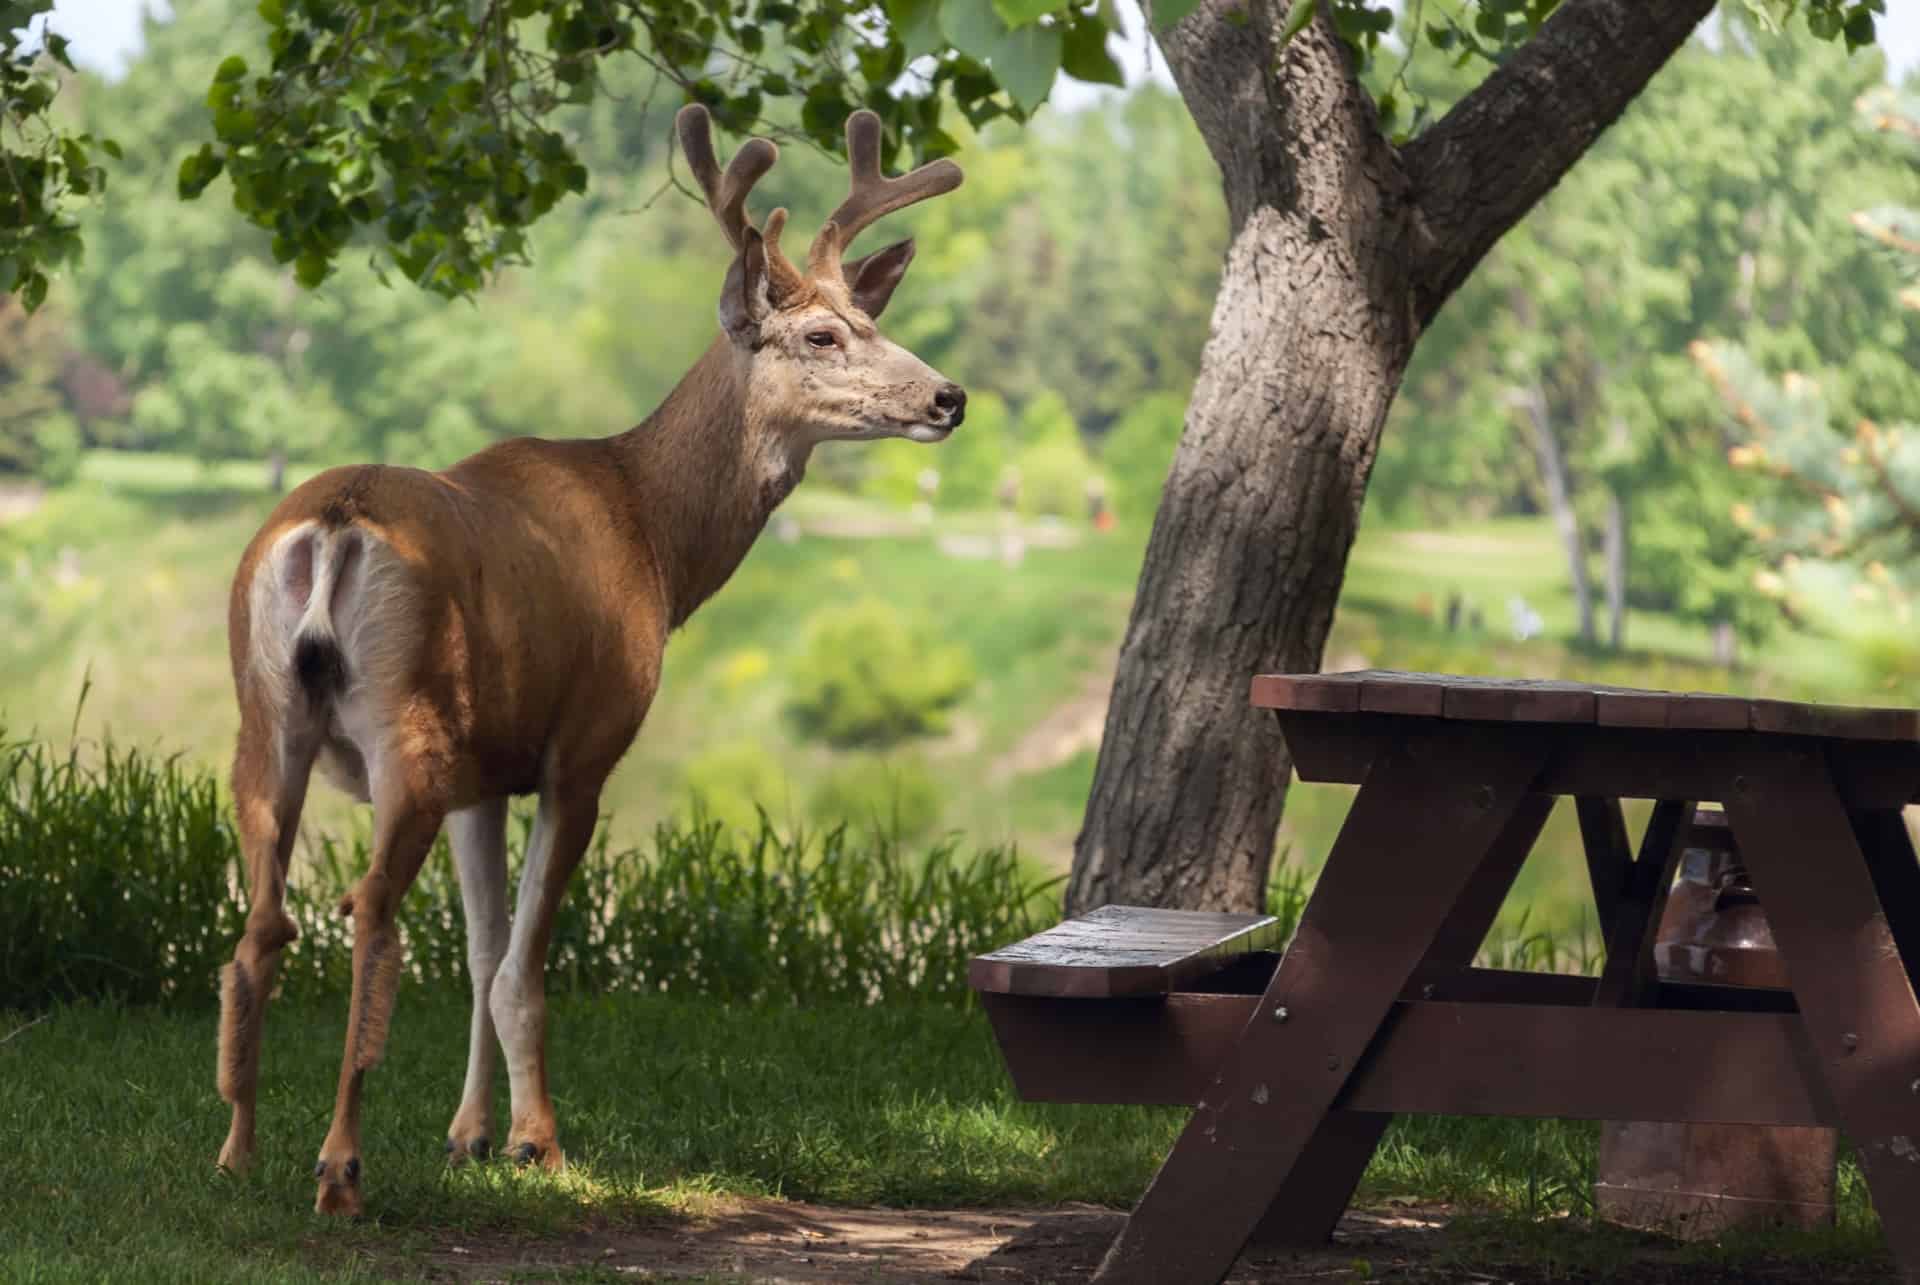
(114, 877)
(833, 916)
(120, 877)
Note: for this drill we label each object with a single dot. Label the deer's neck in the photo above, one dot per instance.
(702, 480)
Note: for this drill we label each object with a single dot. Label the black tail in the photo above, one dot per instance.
(320, 667)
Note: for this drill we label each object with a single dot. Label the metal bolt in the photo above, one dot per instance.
(1914, 1087)
(1849, 1041)
(1483, 797)
(1333, 1064)
(1739, 785)
(1427, 991)
(1280, 1014)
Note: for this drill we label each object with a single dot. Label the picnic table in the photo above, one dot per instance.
(1295, 1062)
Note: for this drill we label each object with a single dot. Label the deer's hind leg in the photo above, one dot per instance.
(479, 840)
(270, 774)
(407, 811)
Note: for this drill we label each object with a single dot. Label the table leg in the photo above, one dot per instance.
(1896, 876)
(1629, 974)
(1430, 812)
(1862, 1022)
(1603, 834)
(1309, 1203)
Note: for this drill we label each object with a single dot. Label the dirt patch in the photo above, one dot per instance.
(1073, 725)
(774, 1241)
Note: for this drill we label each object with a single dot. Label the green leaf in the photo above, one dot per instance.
(111, 148)
(1027, 63)
(1168, 12)
(232, 69)
(1018, 13)
(1299, 14)
(311, 268)
(33, 292)
(916, 25)
(1084, 54)
(973, 27)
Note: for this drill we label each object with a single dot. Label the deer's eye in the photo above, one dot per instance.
(822, 339)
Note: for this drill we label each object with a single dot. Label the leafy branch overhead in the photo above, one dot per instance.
(41, 168)
(433, 131)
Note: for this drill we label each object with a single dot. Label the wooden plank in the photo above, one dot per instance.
(1122, 950)
(1527, 700)
(1385, 691)
(1436, 1057)
(1446, 792)
(1327, 693)
(1836, 721)
(1862, 1020)
(1518, 700)
(1618, 762)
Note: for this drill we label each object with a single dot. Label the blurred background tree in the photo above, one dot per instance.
(1833, 442)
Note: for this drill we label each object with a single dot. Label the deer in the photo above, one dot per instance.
(439, 642)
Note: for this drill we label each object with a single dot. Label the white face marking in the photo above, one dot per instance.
(858, 387)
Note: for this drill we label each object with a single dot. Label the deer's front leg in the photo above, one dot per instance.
(561, 832)
(479, 839)
(405, 823)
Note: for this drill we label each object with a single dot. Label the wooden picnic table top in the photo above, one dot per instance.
(1520, 700)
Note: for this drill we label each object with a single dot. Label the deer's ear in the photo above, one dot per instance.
(871, 280)
(746, 299)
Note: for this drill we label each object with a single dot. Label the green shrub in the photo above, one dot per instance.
(121, 879)
(892, 796)
(114, 878)
(870, 675)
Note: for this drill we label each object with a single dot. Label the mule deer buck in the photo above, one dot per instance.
(437, 642)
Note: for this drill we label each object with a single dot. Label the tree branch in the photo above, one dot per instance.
(1504, 146)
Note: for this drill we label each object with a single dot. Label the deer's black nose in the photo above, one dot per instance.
(951, 401)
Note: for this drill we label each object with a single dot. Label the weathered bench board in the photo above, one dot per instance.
(1120, 951)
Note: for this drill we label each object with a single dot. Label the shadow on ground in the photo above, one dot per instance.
(777, 1241)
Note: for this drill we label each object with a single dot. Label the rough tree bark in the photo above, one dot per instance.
(1343, 247)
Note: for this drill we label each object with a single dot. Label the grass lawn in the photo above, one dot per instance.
(110, 1118)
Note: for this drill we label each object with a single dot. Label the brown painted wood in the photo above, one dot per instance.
(1883, 838)
(1862, 1021)
(1310, 1201)
(1603, 834)
(1436, 1057)
(1629, 974)
(1527, 700)
(1616, 762)
(1444, 793)
(1326, 693)
(1122, 950)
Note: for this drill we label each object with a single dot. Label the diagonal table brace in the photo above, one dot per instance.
(1431, 811)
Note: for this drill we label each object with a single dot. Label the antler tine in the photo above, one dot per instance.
(726, 193)
(871, 197)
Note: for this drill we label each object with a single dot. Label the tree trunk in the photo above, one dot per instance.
(1311, 331)
(1342, 249)
(1559, 486)
(1616, 547)
(277, 470)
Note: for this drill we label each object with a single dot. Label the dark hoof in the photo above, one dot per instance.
(526, 1153)
(353, 1170)
(319, 1168)
(480, 1148)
